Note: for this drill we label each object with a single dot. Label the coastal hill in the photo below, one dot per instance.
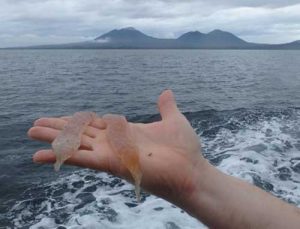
(214, 39)
(129, 38)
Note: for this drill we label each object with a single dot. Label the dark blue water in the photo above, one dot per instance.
(245, 106)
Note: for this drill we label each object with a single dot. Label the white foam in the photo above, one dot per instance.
(260, 150)
(45, 223)
(109, 210)
(252, 152)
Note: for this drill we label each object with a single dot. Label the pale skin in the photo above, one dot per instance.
(173, 168)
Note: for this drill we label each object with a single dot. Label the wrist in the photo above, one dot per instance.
(196, 187)
(203, 200)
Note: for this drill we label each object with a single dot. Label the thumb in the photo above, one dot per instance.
(167, 104)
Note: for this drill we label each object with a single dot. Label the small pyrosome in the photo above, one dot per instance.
(68, 140)
(122, 142)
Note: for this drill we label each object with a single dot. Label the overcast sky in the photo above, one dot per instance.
(28, 22)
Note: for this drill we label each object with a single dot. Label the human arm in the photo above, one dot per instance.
(223, 201)
(174, 169)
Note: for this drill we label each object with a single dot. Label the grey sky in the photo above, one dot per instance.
(27, 22)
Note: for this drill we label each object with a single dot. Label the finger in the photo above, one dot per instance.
(98, 122)
(59, 123)
(46, 134)
(44, 156)
(93, 128)
(167, 104)
(82, 158)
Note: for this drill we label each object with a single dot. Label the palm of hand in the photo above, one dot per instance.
(168, 149)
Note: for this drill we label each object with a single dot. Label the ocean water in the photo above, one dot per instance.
(244, 105)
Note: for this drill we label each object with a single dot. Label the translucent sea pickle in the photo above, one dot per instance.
(122, 143)
(68, 140)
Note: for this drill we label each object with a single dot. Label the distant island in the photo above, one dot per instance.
(130, 38)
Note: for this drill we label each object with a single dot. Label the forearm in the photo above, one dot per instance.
(222, 201)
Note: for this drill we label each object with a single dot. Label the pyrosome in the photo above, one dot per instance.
(122, 143)
(68, 140)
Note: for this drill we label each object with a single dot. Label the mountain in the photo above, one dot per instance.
(221, 39)
(291, 45)
(128, 38)
(191, 37)
(131, 38)
(214, 39)
(124, 35)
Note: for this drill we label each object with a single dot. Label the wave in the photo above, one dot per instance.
(260, 146)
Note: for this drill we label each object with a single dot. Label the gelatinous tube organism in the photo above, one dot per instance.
(68, 140)
(123, 144)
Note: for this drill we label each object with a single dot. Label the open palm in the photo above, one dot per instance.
(169, 149)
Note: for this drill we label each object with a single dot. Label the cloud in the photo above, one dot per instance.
(56, 21)
(105, 40)
(28, 39)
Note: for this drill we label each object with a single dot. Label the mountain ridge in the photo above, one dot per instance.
(131, 38)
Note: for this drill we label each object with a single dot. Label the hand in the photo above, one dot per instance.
(169, 150)
(174, 169)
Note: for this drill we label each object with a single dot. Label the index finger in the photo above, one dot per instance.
(98, 122)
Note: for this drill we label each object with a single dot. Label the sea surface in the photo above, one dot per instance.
(243, 104)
